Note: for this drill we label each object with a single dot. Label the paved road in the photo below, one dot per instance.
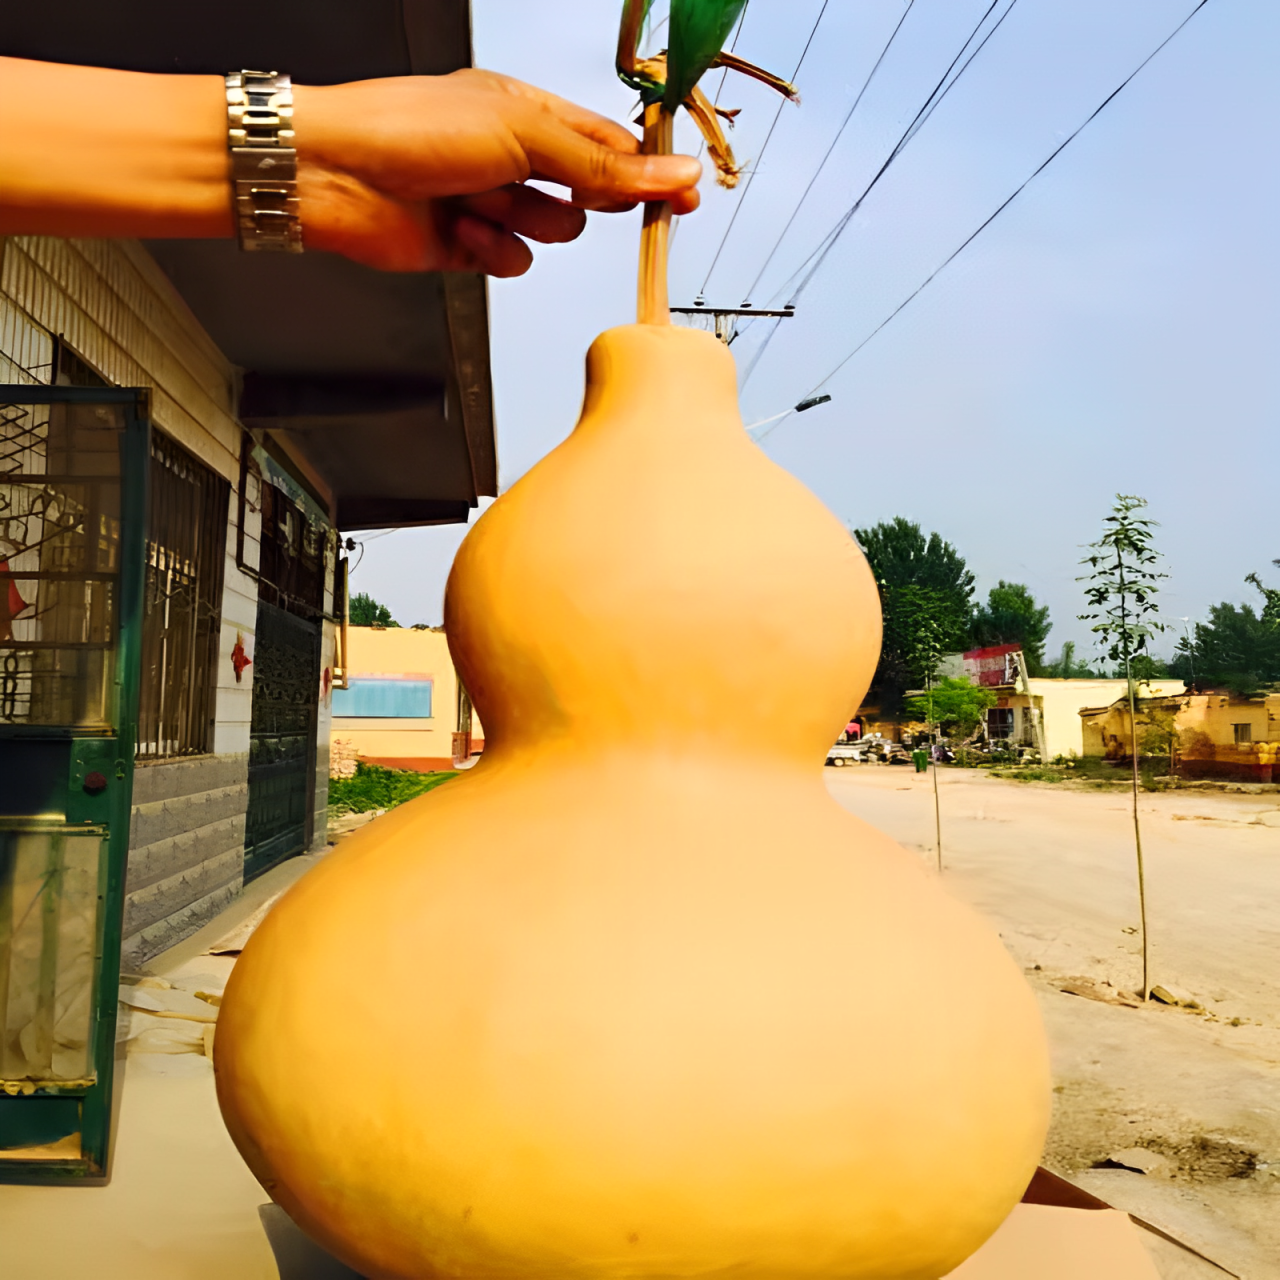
(1053, 868)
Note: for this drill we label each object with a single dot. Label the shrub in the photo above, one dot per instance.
(376, 787)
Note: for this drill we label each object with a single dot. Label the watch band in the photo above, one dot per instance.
(264, 164)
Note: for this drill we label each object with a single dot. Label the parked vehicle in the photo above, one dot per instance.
(871, 748)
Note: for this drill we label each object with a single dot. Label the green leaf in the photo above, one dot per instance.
(635, 20)
(699, 29)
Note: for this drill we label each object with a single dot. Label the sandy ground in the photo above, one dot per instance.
(1053, 868)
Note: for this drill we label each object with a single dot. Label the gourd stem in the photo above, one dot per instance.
(652, 305)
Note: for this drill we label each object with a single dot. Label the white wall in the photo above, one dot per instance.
(239, 619)
(1061, 702)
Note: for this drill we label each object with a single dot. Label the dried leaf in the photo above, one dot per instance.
(734, 63)
(704, 116)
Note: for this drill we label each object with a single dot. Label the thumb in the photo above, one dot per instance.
(601, 175)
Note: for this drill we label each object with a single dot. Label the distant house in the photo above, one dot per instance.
(1061, 704)
(403, 706)
(1022, 699)
(1210, 735)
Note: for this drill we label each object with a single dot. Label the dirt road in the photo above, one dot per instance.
(1053, 868)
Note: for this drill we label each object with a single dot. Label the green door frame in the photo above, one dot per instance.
(86, 1105)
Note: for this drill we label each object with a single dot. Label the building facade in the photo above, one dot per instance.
(238, 618)
(1059, 704)
(1207, 735)
(403, 705)
(1027, 706)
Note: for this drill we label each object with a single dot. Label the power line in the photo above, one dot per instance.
(1004, 204)
(819, 255)
(844, 124)
(940, 91)
(777, 115)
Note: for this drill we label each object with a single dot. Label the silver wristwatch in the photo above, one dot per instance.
(264, 164)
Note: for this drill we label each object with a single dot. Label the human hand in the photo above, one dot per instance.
(424, 173)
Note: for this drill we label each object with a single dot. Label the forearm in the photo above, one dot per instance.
(86, 151)
(410, 173)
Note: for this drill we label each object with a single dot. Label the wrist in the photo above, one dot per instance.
(320, 125)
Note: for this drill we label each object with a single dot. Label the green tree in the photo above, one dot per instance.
(1236, 650)
(1270, 598)
(1146, 666)
(954, 704)
(920, 624)
(1069, 667)
(1122, 584)
(1159, 734)
(900, 555)
(364, 611)
(1011, 616)
(926, 593)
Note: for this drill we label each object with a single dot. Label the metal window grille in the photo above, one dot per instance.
(186, 552)
(291, 567)
(1243, 734)
(59, 561)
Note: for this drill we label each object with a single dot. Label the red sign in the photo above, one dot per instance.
(239, 657)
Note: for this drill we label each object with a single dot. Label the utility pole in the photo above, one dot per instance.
(726, 318)
(1191, 649)
(1037, 720)
(937, 806)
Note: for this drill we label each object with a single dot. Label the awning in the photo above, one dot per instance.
(373, 388)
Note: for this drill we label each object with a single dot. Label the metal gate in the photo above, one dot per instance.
(73, 481)
(282, 738)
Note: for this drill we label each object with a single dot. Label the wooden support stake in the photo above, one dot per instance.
(652, 303)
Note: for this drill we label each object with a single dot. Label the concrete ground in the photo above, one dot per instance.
(1053, 867)
(181, 1204)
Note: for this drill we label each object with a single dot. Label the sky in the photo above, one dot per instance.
(1115, 330)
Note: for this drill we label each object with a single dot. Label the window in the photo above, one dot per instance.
(182, 602)
(1000, 722)
(389, 697)
(291, 567)
(1243, 734)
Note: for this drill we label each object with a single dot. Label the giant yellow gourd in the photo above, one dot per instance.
(635, 997)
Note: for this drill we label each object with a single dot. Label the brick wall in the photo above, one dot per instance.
(186, 849)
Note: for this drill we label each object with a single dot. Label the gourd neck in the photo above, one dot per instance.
(661, 381)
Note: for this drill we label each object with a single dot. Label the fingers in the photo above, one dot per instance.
(616, 178)
(589, 124)
(491, 249)
(601, 175)
(690, 201)
(341, 214)
(686, 201)
(610, 175)
(528, 212)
